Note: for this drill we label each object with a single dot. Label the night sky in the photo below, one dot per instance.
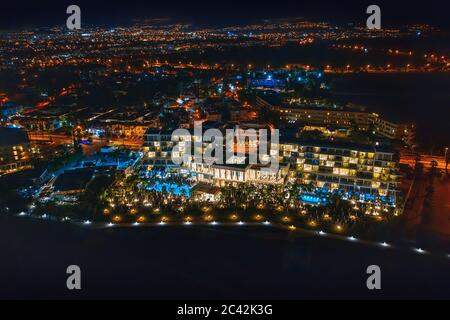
(21, 14)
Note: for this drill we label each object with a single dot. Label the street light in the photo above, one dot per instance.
(445, 158)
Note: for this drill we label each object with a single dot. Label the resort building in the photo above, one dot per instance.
(14, 150)
(324, 164)
(221, 175)
(158, 151)
(343, 118)
(158, 146)
(344, 166)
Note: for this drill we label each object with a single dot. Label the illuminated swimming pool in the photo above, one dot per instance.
(173, 188)
(314, 199)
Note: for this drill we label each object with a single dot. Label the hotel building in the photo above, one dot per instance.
(325, 164)
(348, 167)
(345, 118)
(14, 150)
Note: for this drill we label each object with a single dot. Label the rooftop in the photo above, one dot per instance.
(73, 180)
(12, 136)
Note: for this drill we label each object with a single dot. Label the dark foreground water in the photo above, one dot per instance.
(205, 263)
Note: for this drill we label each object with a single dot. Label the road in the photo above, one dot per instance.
(436, 216)
(430, 217)
(424, 159)
(59, 139)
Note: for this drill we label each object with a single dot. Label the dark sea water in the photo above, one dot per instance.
(205, 263)
(420, 98)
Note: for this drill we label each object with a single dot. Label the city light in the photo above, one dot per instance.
(164, 122)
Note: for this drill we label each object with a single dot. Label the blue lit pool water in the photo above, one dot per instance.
(322, 195)
(310, 198)
(173, 188)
